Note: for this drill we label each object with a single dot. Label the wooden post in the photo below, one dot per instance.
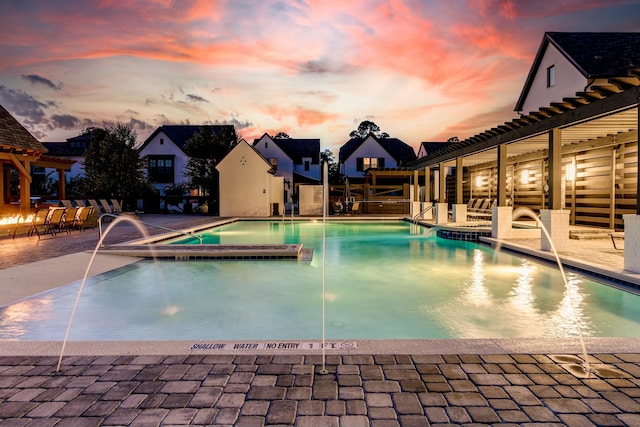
(427, 184)
(62, 194)
(502, 175)
(555, 169)
(442, 184)
(459, 176)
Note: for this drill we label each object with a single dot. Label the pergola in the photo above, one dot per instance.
(19, 150)
(606, 115)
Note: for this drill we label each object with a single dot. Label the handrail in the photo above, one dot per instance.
(199, 236)
(422, 212)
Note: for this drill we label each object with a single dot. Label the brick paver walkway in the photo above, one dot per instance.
(362, 390)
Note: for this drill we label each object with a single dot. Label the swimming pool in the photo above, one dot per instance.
(384, 280)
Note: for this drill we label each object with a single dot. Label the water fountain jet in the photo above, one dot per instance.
(522, 211)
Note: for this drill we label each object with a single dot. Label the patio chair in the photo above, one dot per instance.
(80, 203)
(67, 204)
(619, 236)
(355, 207)
(69, 219)
(37, 223)
(55, 221)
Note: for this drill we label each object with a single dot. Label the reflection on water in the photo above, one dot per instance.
(381, 282)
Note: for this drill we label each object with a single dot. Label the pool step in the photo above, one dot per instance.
(218, 252)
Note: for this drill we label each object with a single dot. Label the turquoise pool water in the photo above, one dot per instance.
(384, 280)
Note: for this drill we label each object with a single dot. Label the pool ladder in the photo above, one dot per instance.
(421, 213)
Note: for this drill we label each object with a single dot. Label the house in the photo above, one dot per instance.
(296, 160)
(248, 185)
(429, 147)
(164, 152)
(569, 65)
(71, 149)
(359, 154)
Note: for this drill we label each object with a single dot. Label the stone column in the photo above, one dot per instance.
(501, 219)
(460, 212)
(442, 214)
(557, 224)
(632, 243)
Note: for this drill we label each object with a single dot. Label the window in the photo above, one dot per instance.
(307, 165)
(161, 169)
(161, 141)
(364, 163)
(551, 76)
(274, 163)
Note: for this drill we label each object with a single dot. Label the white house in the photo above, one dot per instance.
(248, 186)
(164, 152)
(296, 160)
(570, 64)
(358, 154)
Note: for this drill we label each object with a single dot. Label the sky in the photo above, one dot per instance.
(422, 70)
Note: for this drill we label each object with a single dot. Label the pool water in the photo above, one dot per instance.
(383, 280)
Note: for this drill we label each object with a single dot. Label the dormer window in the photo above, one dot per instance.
(551, 76)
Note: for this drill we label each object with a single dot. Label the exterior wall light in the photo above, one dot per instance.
(525, 177)
(570, 173)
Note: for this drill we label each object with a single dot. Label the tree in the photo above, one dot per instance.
(334, 168)
(365, 128)
(112, 164)
(282, 135)
(205, 149)
(453, 139)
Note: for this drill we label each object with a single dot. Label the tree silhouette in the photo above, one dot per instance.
(205, 149)
(113, 166)
(368, 127)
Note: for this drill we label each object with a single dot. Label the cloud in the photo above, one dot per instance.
(64, 121)
(24, 105)
(36, 79)
(196, 98)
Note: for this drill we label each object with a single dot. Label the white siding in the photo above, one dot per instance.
(245, 183)
(369, 148)
(568, 81)
(168, 148)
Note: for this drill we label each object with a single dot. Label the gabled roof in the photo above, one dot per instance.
(243, 141)
(15, 137)
(297, 148)
(180, 134)
(595, 55)
(399, 150)
(430, 147)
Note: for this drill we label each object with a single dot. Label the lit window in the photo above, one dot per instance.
(551, 76)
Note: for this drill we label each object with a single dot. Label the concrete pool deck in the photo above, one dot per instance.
(381, 383)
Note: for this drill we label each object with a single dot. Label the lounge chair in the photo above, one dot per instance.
(116, 207)
(67, 204)
(80, 203)
(355, 207)
(105, 205)
(95, 205)
(618, 236)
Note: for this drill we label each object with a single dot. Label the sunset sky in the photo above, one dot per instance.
(422, 70)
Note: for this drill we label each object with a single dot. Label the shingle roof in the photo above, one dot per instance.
(599, 54)
(595, 55)
(180, 134)
(296, 148)
(15, 136)
(398, 149)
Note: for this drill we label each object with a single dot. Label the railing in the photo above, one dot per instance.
(198, 236)
(422, 212)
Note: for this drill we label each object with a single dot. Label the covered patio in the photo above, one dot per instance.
(574, 162)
